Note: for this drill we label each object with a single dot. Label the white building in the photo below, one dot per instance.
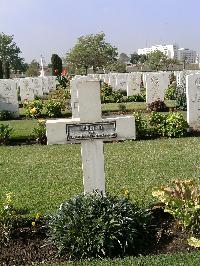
(187, 55)
(172, 51)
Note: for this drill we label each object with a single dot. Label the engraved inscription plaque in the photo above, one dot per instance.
(85, 131)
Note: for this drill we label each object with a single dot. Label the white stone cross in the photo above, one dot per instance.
(91, 130)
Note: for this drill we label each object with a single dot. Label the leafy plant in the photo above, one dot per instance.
(170, 93)
(194, 242)
(53, 108)
(141, 125)
(157, 122)
(175, 126)
(182, 200)
(157, 106)
(94, 225)
(6, 115)
(40, 132)
(122, 107)
(33, 108)
(136, 98)
(7, 213)
(5, 131)
(118, 96)
(180, 96)
(110, 96)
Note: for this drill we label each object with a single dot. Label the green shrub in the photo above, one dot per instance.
(118, 96)
(63, 81)
(6, 115)
(180, 96)
(99, 226)
(157, 122)
(53, 108)
(110, 96)
(170, 93)
(136, 98)
(176, 126)
(157, 106)
(122, 107)
(141, 125)
(5, 131)
(39, 132)
(7, 214)
(33, 108)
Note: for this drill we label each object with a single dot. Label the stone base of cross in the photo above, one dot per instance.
(90, 130)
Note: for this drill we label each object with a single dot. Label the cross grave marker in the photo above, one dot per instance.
(89, 129)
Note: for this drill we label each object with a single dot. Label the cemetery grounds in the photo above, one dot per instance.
(42, 177)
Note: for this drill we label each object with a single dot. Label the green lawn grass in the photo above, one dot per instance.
(22, 129)
(42, 177)
(179, 259)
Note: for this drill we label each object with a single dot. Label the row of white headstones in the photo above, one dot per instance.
(28, 89)
(88, 128)
(155, 84)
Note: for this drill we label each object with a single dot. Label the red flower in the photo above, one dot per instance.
(64, 72)
(56, 71)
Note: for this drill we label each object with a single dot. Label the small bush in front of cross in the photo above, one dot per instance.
(96, 225)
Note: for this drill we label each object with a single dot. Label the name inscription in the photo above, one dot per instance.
(98, 130)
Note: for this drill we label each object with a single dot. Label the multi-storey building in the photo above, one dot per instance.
(172, 51)
(187, 55)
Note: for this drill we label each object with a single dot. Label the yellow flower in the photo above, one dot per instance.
(33, 223)
(37, 216)
(33, 110)
(41, 121)
(125, 192)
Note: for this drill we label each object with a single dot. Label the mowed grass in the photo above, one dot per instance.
(42, 177)
(179, 259)
(22, 129)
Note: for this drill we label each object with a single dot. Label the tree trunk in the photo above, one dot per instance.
(1, 70)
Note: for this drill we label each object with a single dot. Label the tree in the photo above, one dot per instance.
(7, 70)
(1, 70)
(159, 61)
(92, 51)
(124, 58)
(33, 69)
(138, 58)
(134, 58)
(117, 66)
(143, 58)
(9, 52)
(156, 60)
(56, 63)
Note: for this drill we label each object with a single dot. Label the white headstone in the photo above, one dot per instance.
(193, 100)
(37, 86)
(156, 85)
(133, 83)
(26, 89)
(121, 81)
(8, 96)
(45, 85)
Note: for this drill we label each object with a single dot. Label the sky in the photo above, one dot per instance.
(46, 26)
